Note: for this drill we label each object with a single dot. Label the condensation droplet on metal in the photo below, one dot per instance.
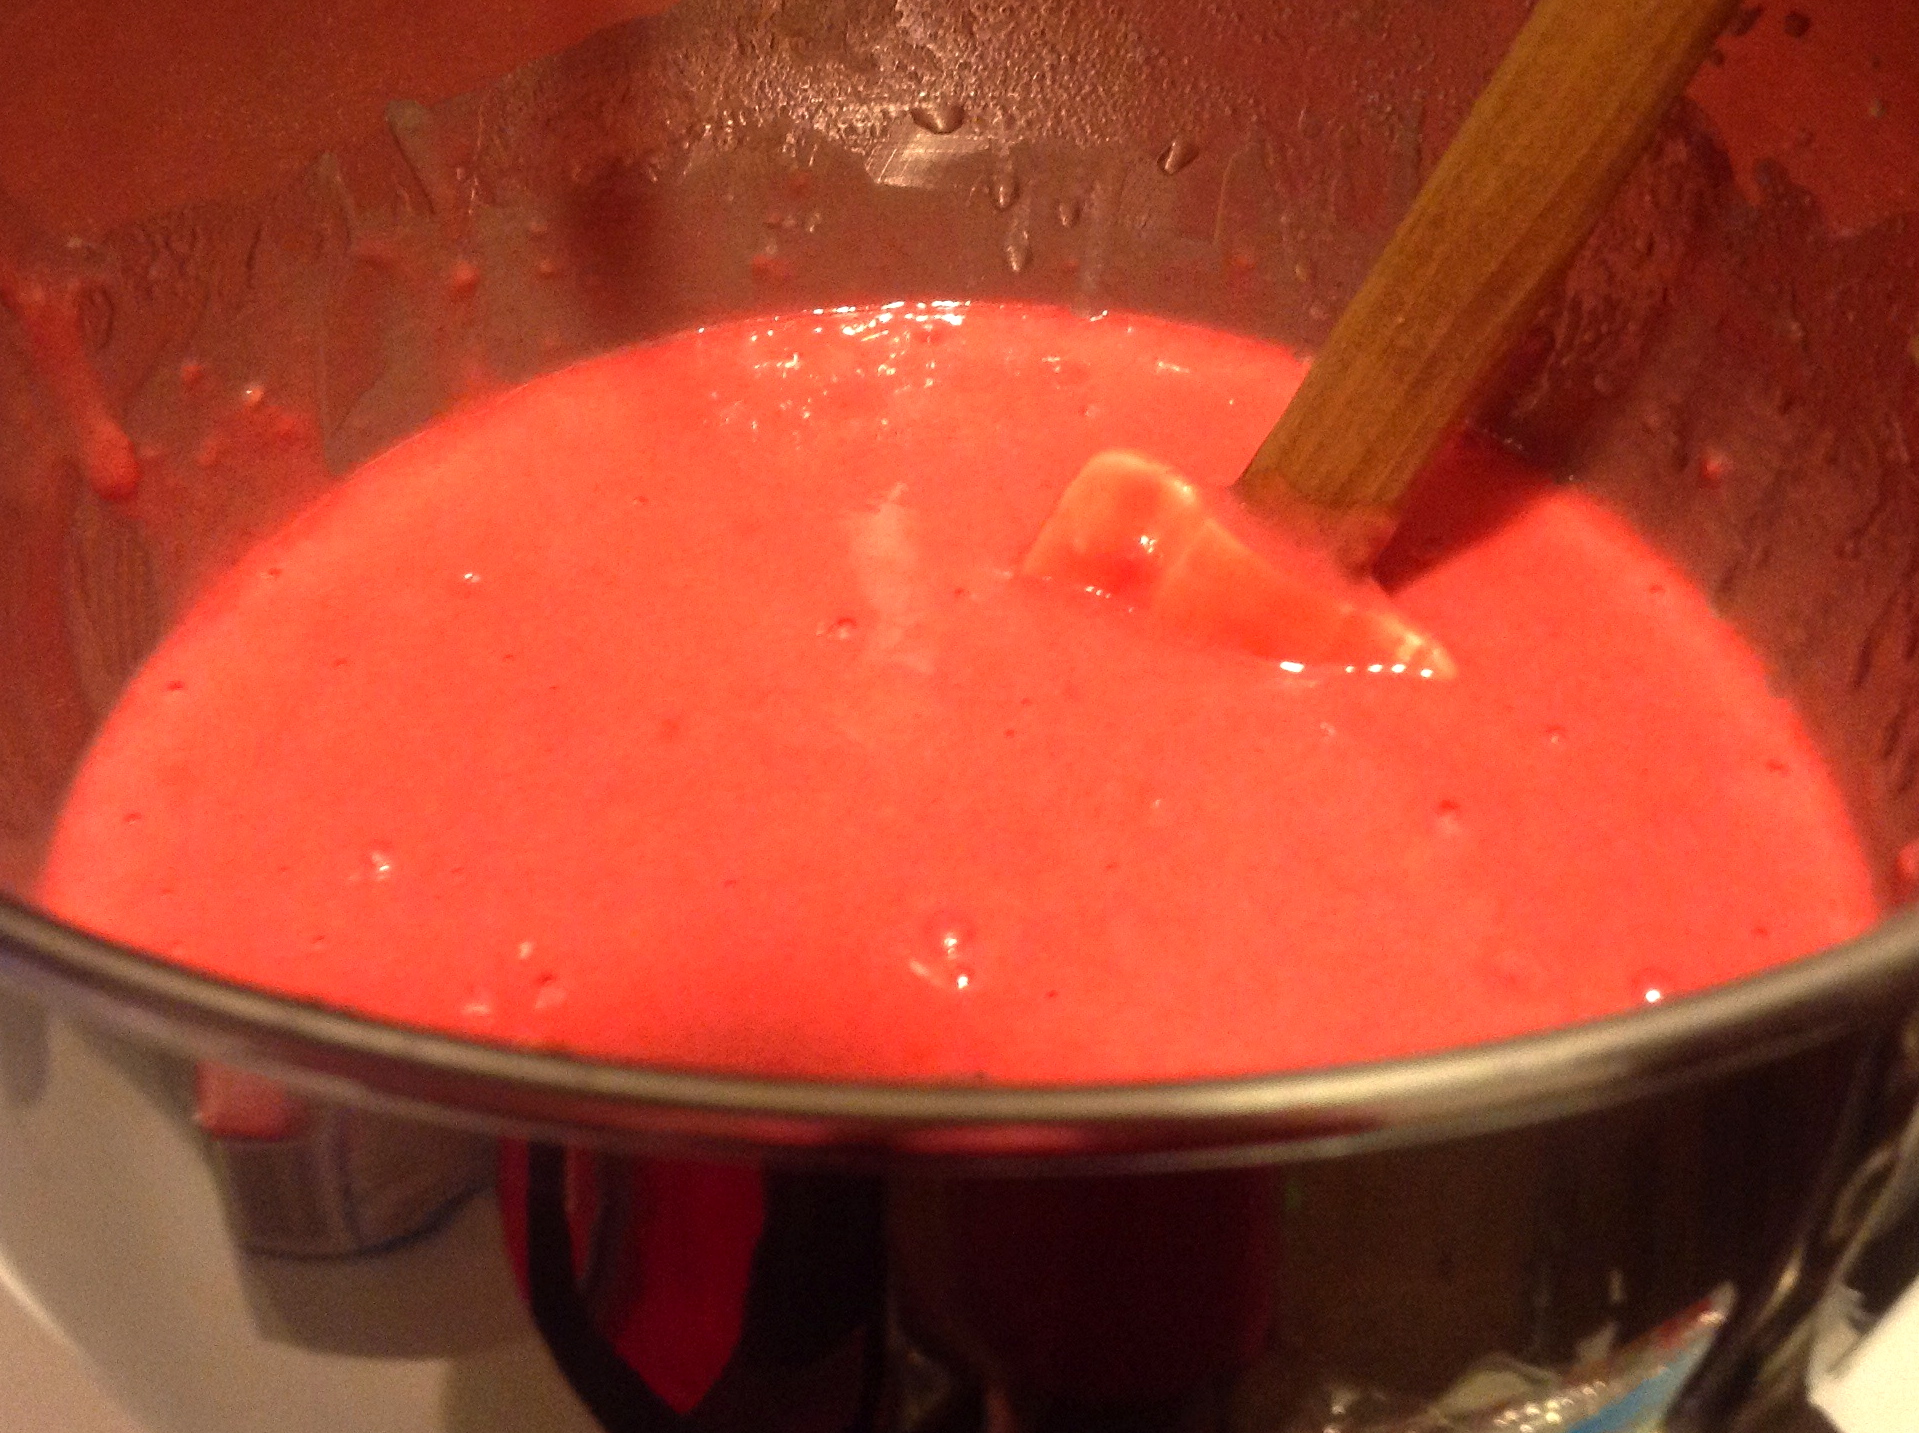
(1018, 250)
(1177, 155)
(462, 278)
(1069, 216)
(1905, 873)
(1005, 191)
(941, 118)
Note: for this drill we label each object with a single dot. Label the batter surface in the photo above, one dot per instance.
(683, 707)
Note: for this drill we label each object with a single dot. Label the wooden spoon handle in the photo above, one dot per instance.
(1570, 109)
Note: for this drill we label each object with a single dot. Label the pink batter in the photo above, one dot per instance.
(683, 707)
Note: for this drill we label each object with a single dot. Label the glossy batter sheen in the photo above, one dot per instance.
(682, 707)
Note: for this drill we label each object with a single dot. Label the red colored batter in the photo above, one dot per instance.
(683, 707)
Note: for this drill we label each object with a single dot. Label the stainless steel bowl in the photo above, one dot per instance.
(1379, 1226)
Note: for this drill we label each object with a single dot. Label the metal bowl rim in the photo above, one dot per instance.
(1858, 984)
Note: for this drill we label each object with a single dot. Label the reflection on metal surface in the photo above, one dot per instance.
(1872, 1389)
(1160, 1305)
(346, 1183)
(23, 1050)
(1629, 1391)
(1862, 1342)
(112, 1227)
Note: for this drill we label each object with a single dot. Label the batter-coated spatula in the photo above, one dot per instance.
(1570, 109)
